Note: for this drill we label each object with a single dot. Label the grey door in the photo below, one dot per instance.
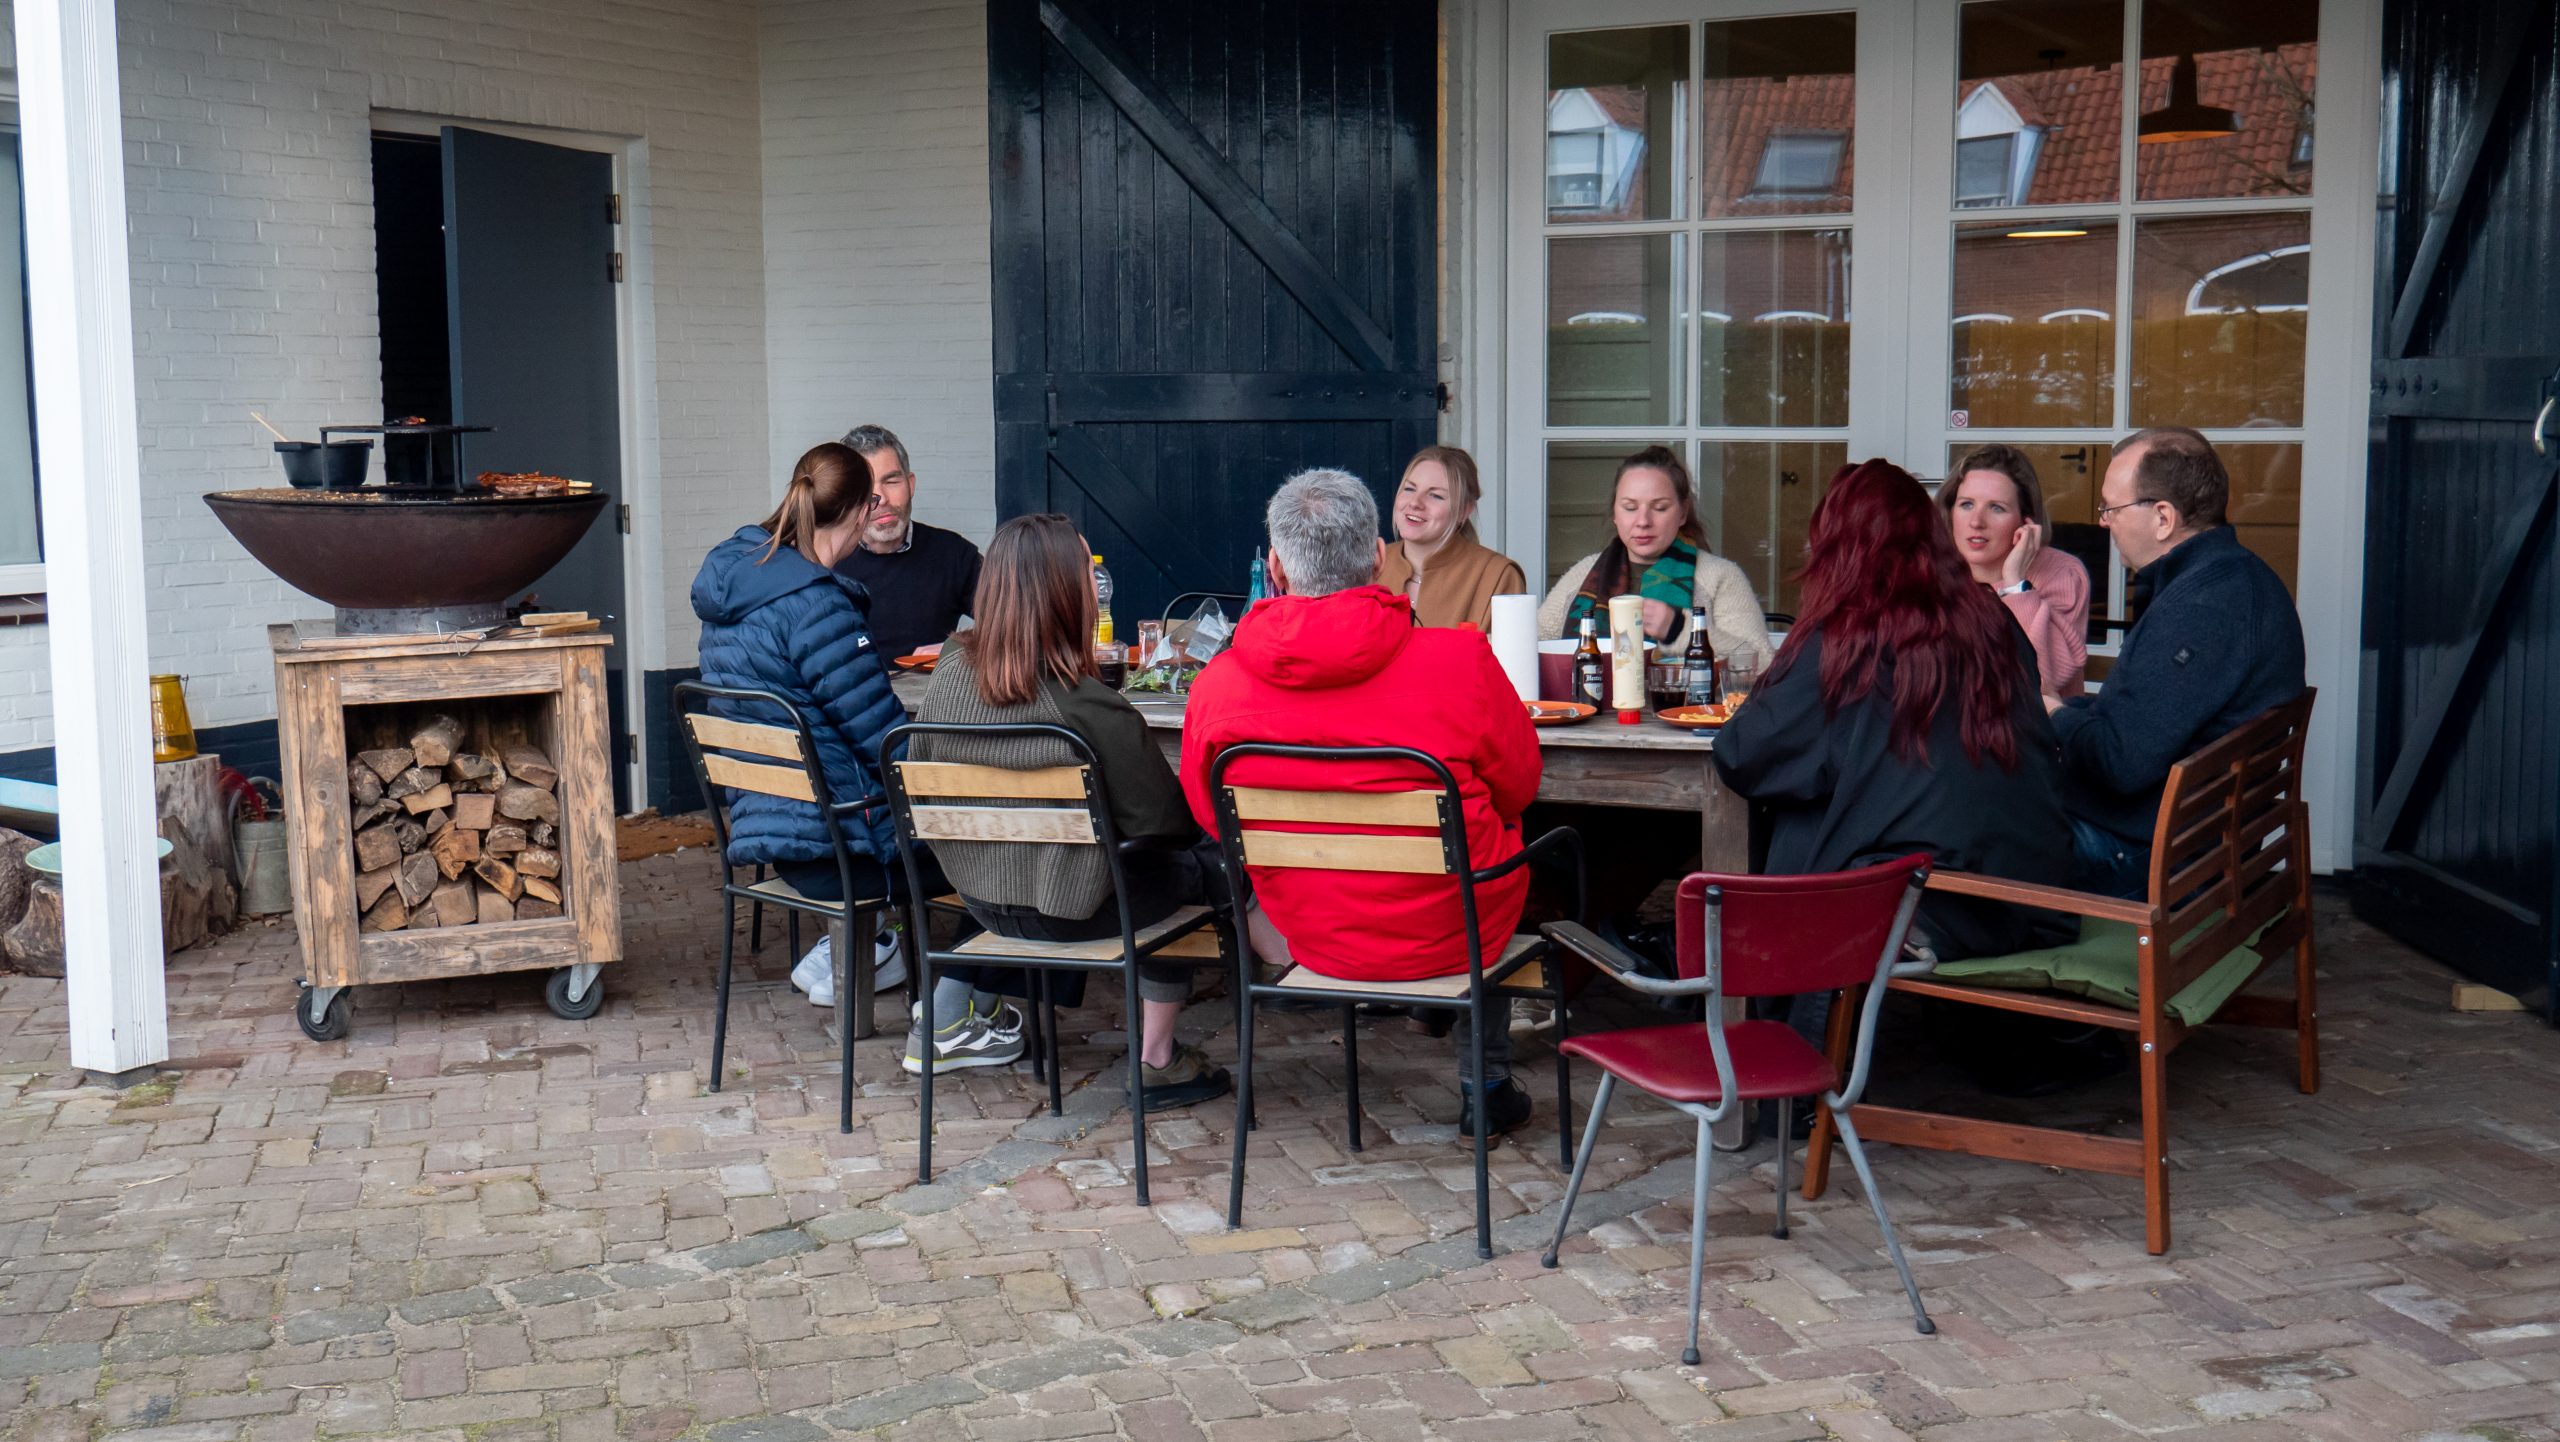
(529, 305)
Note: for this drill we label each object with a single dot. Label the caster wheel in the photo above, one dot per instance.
(329, 1025)
(556, 992)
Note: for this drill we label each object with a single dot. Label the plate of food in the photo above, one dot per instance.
(1560, 713)
(1696, 718)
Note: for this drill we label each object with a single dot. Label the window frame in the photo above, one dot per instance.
(24, 581)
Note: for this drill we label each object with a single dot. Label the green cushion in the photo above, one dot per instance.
(2100, 966)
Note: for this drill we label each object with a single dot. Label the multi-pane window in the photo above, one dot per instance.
(1704, 306)
(2081, 307)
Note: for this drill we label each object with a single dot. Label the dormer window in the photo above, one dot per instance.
(1983, 167)
(1574, 169)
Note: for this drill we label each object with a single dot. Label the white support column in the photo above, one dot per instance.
(80, 312)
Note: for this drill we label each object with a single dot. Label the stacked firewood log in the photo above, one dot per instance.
(446, 835)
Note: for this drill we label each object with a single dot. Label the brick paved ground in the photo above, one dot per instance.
(471, 1220)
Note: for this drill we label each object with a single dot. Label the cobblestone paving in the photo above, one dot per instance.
(471, 1220)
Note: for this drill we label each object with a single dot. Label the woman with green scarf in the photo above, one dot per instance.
(1659, 553)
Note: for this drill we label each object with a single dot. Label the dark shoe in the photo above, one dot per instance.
(1507, 1106)
(1187, 1080)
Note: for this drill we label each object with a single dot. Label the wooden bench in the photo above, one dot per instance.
(2229, 895)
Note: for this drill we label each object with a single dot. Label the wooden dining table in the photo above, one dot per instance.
(1650, 765)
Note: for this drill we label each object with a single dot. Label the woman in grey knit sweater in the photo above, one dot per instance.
(1030, 659)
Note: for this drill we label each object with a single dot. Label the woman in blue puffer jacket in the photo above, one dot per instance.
(776, 618)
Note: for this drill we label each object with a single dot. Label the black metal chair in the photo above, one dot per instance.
(1066, 804)
(721, 746)
(1432, 842)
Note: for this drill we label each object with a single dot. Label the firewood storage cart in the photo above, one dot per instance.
(421, 774)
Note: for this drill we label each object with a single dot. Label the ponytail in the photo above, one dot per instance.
(829, 482)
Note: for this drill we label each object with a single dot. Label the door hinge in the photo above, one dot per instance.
(1443, 396)
(613, 267)
(613, 209)
(622, 514)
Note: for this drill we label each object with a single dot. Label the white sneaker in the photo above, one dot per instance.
(889, 961)
(816, 972)
(968, 1042)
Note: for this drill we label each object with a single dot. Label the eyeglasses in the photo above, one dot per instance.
(2106, 511)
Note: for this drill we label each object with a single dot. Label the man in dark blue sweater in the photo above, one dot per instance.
(2219, 643)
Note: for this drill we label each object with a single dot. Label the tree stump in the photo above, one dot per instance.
(34, 945)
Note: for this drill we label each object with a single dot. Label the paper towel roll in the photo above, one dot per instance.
(1515, 642)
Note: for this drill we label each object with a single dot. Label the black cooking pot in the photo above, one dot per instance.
(332, 465)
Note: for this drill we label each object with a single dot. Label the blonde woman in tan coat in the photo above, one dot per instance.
(1436, 559)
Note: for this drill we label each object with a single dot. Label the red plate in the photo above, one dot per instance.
(1696, 718)
(1560, 713)
(917, 662)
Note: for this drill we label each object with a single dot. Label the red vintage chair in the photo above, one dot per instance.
(1747, 936)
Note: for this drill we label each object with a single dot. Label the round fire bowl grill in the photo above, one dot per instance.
(399, 562)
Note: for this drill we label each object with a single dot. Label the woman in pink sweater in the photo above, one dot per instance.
(1996, 510)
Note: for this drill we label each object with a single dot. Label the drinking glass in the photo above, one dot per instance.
(1739, 676)
(1666, 683)
(1150, 643)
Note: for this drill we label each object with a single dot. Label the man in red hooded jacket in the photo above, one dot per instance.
(1336, 660)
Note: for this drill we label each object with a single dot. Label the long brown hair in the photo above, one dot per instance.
(1609, 575)
(1462, 479)
(1885, 589)
(2003, 460)
(829, 483)
(1035, 610)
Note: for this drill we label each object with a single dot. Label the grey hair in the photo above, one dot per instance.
(1324, 529)
(868, 440)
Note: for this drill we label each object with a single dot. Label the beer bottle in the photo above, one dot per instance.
(1590, 677)
(1698, 668)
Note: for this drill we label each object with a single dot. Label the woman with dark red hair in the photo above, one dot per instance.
(1902, 715)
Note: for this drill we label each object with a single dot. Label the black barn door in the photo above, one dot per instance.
(1214, 265)
(2458, 848)
(529, 297)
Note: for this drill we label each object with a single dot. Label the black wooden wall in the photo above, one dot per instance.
(1214, 265)
(2458, 848)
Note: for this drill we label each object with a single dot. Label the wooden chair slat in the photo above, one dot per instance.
(2199, 804)
(779, 742)
(785, 781)
(1049, 824)
(2204, 873)
(1338, 808)
(992, 783)
(2181, 844)
(1336, 851)
(991, 944)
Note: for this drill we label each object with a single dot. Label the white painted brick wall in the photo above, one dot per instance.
(877, 277)
(247, 134)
